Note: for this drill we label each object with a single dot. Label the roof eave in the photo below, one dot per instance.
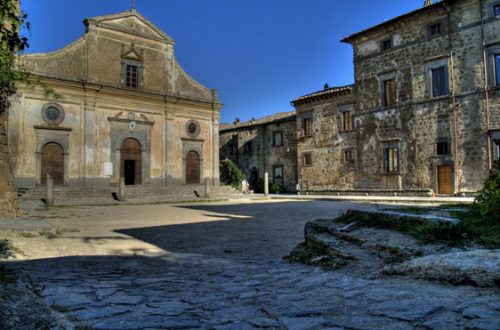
(349, 39)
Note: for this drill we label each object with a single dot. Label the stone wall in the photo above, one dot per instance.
(251, 145)
(8, 195)
(327, 143)
(417, 124)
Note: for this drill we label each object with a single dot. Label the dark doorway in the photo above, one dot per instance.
(52, 163)
(129, 172)
(131, 162)
(192, 168)
(254, 179)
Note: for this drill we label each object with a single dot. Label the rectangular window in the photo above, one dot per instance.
(496, 149)
(131, 76)
(442, 148)
(348, 156)
(386, 44)
(391, 160)
(307, 126)
(389, 93)
(496, 10)
(248, 147)
(278, 172)
(307, 159)
(436, 29)
(439, 81)
(277, 139)
(497, 69)
(346, 120)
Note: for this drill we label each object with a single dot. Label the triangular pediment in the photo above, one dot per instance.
(130, 22)
(133, 55)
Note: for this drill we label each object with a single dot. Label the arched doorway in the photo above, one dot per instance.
(52, 163)
(192, 167)
(130, 161)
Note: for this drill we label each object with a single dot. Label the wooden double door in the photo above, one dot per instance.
(192, 167)
(445, 179)
(131, 161)
(52, 163)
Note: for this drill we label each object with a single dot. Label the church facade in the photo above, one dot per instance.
(114, 103)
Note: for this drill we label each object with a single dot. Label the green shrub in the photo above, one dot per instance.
(488, 200)
(231, 174)
(276, 188)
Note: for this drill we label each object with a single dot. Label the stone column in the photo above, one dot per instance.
(121, 189)
(89, 139)
(266, 184)
(169, 147)
(207, 187)
(215, 152)
(49, 191)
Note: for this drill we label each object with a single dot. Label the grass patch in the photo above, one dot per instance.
(473, 229)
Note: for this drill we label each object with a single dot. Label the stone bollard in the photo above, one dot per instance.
(207, 187)
(121, 189)
(49, 191)
(266, 184)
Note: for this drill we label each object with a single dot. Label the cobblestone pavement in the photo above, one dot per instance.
(182, 291)
(218, 266)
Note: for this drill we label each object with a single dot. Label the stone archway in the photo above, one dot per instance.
(192, 168)
(52, 163)
(131, 161)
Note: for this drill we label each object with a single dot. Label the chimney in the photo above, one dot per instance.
(427, 3)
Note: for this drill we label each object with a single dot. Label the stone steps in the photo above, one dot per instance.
(333, 244)
(105, 195)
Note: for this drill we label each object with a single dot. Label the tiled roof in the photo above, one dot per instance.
(395, 19)
(255, 122)
(324, 93)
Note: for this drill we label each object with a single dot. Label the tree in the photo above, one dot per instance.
(11, 44)
(230, 174)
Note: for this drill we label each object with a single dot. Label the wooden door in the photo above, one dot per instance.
(445, 185)
(192, 168)
(52, 163)
(131, 161)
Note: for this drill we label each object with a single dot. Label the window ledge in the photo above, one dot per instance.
(440, 97)
(303, 137)
(391, 173)
(348, 130)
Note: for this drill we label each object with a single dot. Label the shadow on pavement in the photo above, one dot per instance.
(253, 229)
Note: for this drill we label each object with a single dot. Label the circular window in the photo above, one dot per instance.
(193, 128)
(52, 114)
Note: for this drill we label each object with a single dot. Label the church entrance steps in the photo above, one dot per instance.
(69, 195)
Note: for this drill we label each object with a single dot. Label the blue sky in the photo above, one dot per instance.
(258, 54)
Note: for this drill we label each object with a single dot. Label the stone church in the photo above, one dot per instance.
(114, 103)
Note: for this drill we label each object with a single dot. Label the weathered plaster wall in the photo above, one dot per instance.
(86, 81)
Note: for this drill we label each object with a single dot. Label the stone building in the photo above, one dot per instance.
(120, 105)
(263, 145)
(423, 115)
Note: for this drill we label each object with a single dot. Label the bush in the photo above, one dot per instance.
(230, 174)
(488, 200)
(276, 188)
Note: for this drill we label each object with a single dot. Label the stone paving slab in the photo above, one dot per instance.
(181, 291)
(26, 225)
